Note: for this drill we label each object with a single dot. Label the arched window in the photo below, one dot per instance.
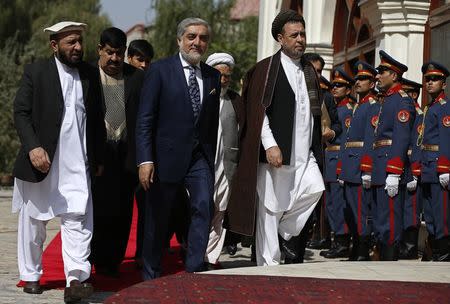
(352, 36)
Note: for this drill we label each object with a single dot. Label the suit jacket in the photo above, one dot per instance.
(133, 79)
(166, 132)
(38, 114)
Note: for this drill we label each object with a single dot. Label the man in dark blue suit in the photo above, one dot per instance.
(176, 134)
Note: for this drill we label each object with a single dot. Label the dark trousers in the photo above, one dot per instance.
(412, 209)
(335, 204)
(140, 195)
(357, 210)
(199, 182)
(436, 209)
(389, 214)
(113, 209)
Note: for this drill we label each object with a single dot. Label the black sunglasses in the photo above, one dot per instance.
(382, 69)
(338, 85)
(433, 78)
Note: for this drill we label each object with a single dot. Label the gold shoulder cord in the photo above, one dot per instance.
(422, 128)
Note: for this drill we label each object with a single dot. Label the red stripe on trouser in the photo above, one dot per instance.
(445, 196)
(414, 211)
(391, 220)
(359, 210)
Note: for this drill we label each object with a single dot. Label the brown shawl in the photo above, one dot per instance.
(257, 95)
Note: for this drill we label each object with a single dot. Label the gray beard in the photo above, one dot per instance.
(223, 91)
(191, 58)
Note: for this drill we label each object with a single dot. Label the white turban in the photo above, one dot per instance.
(220, 58)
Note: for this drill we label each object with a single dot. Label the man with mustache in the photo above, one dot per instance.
(280, 147)
(384, 163)
(113, 192)
(59, 121)
(176, 137)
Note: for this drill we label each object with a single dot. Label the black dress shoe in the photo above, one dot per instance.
(77, 291)
(339, 252)
(324, 252)
(32, 287)
(231, 249)
(288, 248)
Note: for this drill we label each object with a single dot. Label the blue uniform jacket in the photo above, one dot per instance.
(395, 122)
(444, 152)
(434, 135)
(351, 156)
(345, 110)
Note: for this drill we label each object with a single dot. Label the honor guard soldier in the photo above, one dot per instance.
(435, 163)
(391, 141)
(413, 202)
(357, 198)
(334, 195)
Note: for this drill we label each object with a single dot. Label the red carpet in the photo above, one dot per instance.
(53, 276)
(204, 288)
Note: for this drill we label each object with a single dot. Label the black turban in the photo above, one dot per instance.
(282, 18)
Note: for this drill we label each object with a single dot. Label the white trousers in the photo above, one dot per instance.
(76, 234)
(216, 238)
(287, 224)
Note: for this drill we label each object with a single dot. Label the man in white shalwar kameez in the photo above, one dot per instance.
(287, 193)
(59, 183)
(226, 152)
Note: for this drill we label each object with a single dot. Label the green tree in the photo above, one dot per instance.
(22, 41)
(9, 78)
(53, 11)
(239, 38)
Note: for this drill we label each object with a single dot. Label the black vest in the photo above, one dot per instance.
(281, 113)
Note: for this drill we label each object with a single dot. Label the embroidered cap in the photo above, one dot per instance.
(65, 26)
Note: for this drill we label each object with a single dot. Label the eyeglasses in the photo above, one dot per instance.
(433, 78)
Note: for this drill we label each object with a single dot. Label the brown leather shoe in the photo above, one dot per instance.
(32, 287)
(77, 291)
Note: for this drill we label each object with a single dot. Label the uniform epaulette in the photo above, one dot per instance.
(442, 101)
(403, 93)
(372, 100)
(419, 111)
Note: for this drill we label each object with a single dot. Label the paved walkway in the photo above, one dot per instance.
(315, 265)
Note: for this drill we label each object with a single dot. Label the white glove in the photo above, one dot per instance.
(366, 179)
(341, 182)
(412, 185)
(392, 181)
(443, 179)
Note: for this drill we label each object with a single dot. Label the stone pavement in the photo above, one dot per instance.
(315, 265)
